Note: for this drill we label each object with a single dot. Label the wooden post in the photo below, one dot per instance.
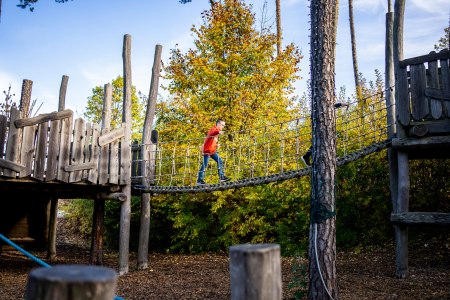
(25, 98)
(125, 163)
(98, 227)
(70, 282)
(148, 167)
(51, 251)
(255, 272)
(390, 104)
(62, 93)
(402, 201)
(24, 108)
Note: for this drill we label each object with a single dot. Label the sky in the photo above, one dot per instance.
(83, 39)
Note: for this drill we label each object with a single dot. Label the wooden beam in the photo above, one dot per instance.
(425, 142)
(437, 93)
(111, 136)
(125, 160)
(112, 196)
(43, 118)
(443, 54)
(80, 167)
(11, 165)
(148, 157)
(421, 218)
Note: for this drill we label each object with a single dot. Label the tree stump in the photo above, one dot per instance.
(70, 282)
(255, 272)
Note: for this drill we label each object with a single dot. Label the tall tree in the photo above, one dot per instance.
(444, 42)
(354, 55)
(322, 245)
(231, 73)
(278, 16)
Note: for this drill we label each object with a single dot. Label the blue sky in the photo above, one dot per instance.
(83, 39)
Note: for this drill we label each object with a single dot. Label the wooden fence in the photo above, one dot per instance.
(51, 147)
(424, 94)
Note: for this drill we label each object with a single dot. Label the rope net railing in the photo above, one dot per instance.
(266, 154)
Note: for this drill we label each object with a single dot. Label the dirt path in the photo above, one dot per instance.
(360, 276)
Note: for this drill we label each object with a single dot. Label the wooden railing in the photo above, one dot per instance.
(50, 147)
(423, 85)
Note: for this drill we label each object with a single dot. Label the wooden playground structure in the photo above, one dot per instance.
(52, 156)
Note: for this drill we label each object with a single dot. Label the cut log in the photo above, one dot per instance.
(70, 282)
(255, 272)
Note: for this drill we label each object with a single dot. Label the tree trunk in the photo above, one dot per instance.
(354, 55)
(322, 245)
(278, 16)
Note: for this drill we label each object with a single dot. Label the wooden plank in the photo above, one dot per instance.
(41, 151)
(104, 162)
(437, 94)
(106, 124)
(114, 163)
(421, 218)
(43, 118)
(77, 149)
(87, 149)
(445, 79)
(435, 104)
(80, 167)
(404, 113)
(419, 103)
(435, 126)
(443, 54)
(3, 129)
(95, 149)
(27, 151)
(425, 142)
(12, 144)
(11, 165)
(64, 149)
(53, 149)
(125, 156)
(112, 136)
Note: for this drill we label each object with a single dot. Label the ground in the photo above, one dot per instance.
(365, 275)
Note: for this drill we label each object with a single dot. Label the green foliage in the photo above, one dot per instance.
(263, 214)
(79, 212)
(95, 106)
(430, 187)
(363, 202)
(29, 3)
(232, 73)
(444, 42)
(299, 283)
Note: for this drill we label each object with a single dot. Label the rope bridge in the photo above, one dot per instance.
(267, 154)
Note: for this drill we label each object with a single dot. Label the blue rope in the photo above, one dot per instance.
(27, 254)
(34, 258)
